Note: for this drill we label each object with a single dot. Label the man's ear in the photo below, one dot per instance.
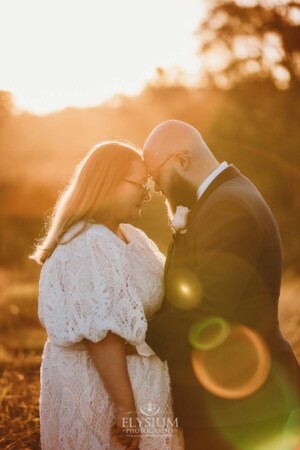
(182, 159)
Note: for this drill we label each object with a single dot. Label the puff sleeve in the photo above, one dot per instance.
(87, 289)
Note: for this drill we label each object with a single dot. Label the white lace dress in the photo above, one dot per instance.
(90, 285)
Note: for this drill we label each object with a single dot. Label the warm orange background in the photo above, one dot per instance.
(252, 122)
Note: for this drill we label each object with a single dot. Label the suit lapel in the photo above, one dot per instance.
(229, 173)
(168, 259)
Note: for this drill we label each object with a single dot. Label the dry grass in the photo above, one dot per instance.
(22, 340)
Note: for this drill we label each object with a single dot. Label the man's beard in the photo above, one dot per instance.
(181, 192)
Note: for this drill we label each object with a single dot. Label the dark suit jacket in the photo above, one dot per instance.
(231, 256)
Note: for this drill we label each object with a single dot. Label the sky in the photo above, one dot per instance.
(59, 53)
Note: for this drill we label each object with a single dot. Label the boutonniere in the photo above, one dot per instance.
(180, 219)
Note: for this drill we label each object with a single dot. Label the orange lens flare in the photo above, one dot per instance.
(237, 367)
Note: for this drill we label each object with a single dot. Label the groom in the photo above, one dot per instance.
(231, 250)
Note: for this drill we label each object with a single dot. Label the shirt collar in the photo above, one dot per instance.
(203, 186)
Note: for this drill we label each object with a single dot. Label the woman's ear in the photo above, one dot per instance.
(182, 159)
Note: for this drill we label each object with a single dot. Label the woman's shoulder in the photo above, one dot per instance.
(74, 231)
(80, 241)
(81, 230)
(98, 230)
(72, 242)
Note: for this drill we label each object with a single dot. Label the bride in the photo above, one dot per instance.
(101, 280)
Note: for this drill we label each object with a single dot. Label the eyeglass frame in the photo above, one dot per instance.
(160, 167)
(146, 188)
(163, 163)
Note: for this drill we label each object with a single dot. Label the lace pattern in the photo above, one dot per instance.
(90, 285)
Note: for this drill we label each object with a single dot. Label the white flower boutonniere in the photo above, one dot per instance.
(179, 221)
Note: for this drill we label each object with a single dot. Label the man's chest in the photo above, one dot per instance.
(182, 284)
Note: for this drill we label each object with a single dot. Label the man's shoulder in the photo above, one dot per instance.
(235, 207)
(237, 194)
(235, 188)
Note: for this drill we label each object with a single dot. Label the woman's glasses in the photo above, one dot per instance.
(146, 188)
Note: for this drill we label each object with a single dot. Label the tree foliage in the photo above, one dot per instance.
(242, 40)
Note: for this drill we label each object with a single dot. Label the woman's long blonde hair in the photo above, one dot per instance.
(89, 196)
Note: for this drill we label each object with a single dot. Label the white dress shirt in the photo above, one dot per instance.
(203, 186)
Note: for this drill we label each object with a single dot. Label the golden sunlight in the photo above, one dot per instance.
(74, 53)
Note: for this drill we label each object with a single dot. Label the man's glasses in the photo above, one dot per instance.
(146, 188)
(154, 178)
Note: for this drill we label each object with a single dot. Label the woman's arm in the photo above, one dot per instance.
(109, 358)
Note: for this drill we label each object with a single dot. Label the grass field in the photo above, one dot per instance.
(22, 340)
(21, 345)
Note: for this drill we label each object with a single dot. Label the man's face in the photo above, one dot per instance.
(181, 192)
(160, 175)
(177, 190)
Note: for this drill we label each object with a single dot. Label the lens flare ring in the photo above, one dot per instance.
(209, 364)
(217, 329)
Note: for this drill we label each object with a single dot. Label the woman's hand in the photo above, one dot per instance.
(126, 430)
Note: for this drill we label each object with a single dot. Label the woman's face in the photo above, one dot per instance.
(131, 193)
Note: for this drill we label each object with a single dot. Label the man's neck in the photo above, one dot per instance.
(204, 173)
(210, 178)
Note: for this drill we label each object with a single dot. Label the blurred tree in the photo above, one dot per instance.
(163, 78)
(243, 39)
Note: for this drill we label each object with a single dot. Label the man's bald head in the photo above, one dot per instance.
(170, 137)
(178, 161)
